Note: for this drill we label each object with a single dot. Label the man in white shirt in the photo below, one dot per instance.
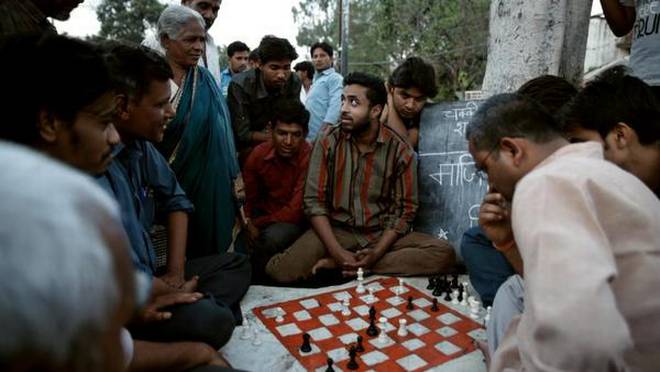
(588, 235)
(211, 58)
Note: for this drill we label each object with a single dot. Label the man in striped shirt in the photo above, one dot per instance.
(361, 198)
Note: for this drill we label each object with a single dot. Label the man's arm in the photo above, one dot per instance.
(172, 356)
(335, 88)
(571, 320)
(315, 201)
(238, 102)
(621, 18)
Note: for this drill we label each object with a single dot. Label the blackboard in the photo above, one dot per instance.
(450, 192)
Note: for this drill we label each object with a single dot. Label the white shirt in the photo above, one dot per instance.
(589, 236)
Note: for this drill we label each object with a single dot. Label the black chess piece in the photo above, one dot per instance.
(306, 346)
(437, 292)
(434, 307)
(448, 294)
(460, 293)
(454, 281)
(432, 283)
(359, 347)
(372, 330)
(410, 305)
(352, 363)
(330, 363)
(372, 313)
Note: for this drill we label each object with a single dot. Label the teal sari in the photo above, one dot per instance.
(199, 145)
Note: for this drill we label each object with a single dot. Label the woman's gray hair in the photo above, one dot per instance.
(58, 284)
(174, 18)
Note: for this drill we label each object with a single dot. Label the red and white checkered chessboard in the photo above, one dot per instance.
(433, 338)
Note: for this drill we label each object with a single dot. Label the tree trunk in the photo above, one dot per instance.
(532, 38)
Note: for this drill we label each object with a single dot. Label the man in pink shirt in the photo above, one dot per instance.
(588, 235)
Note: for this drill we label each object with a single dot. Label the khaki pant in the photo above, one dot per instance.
(413, 254)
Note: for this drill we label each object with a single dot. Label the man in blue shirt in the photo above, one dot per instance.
(238, 53)
(141, 180)
(324, 98)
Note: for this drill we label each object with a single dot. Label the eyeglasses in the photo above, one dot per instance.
(481, 172)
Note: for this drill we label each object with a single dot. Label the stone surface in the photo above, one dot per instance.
(272, 356)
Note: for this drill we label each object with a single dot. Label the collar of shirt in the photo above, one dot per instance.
(588, 149)
(380, 139)
(327, 71)
(271, 156)
(226, 72)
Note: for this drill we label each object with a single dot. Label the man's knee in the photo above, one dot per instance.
(472, 242)
(213, 324)
(280, 271)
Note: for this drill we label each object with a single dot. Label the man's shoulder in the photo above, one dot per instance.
(390, 135)
(246, 79)
(258, 154)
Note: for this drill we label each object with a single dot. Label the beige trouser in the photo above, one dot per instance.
(413, 254)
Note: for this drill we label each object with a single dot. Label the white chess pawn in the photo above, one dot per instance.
(487, 317)
(371, 294)
(382, 336)
(360, 274)
(245, 333)
(256, 341)
(346, 311)
(465, 294)
(401, 287)
(403, 330)
(454, 297)
(280, 317)
(360, 288)
(474, 309)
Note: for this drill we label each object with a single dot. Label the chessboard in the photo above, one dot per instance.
(434, 333)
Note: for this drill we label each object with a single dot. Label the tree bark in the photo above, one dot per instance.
(532, 38)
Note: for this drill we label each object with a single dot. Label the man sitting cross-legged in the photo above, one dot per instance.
(137, 175)
(587, 232)
(274, 176)
(361, 198)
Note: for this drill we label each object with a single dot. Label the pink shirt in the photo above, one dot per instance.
(589, 236)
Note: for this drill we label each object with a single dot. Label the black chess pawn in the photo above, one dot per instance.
(434, 307)
(448, 294)
(352, 363)
(330, 363)
(359, 347)
(437, 292)
(460, 293)
(454, 281)
(306, 346)
(410, 305)
(432, 283)
(372, 313)
(372, 330)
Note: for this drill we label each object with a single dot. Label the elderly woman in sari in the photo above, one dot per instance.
(198, 142)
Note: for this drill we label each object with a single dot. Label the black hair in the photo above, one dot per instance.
(291, 111)
(235, 47)
(273, 48)
(323, 45)
(134, 67)
(376, 92)
(254, 55)
(510, 115)
(56, 74)
(552, 92)
(306, 66)
(414, 72)
(615, 97)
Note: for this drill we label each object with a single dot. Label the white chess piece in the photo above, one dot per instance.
(382, 336)
(474, 309)
(280, 317)
(346, 311)
(256, 341)
(401, 283)
(360, 278)
(487, 317)
(403, 330)
(465, 294)
(245, 333)
(454, 297)
(371, 294)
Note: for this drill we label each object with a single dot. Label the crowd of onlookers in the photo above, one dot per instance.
(259, 174)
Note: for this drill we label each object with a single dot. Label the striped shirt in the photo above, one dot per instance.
(365, 193)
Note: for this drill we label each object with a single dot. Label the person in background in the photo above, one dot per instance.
(324, 99)
(253, 94)
(253, 59)
(274, 183)
(409, 87)
(238, 53)
(31, 16)
(209, 56)
(305, 72)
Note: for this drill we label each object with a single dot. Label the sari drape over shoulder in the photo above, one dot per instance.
(199, 146)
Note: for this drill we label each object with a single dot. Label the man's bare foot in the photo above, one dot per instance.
(324, 263)
(483, 347)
